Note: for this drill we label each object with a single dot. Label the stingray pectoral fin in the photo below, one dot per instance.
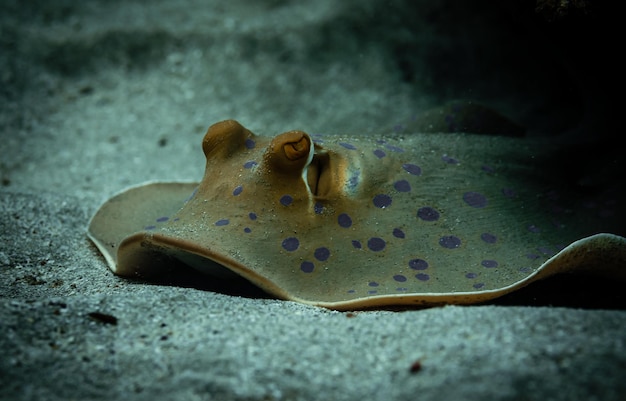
(148, 256)
(133, 210)
(600, 254)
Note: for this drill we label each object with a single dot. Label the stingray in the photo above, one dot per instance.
(348, 222)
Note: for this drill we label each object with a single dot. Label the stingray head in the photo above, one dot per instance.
(289, 169)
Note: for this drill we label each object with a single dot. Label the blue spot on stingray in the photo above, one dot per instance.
(250, 144)
(422, 276)
(307, 266)
(449, 160)
(317, 136)
(252, 216)
(382, 201)
(376, 244)
(427, 213)
(412, 169)
(379, 153)
(222, 222)
(322, 254)
(344, 220)
(249, 164)
(475, 199)
(347, 145)
(162, 219)
(402, 186)
(291, 244)
(450, 242)
(418, 264)
(398, 233)
(356, 244)
(488, 238)
(286, 200)
(238, 189)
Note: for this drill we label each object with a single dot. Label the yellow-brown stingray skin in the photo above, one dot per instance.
(257, 212)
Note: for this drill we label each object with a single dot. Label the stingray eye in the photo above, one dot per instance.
(224, 138)
(290, 151)
(297, 149)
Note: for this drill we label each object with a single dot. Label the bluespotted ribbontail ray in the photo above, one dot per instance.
(350, 222)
